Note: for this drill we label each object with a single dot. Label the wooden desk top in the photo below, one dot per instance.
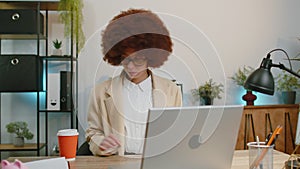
(240, 160)
(276, 106)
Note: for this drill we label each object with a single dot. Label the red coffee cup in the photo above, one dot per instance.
(67, 141)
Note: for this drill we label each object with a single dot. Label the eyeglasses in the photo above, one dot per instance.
(137, 61)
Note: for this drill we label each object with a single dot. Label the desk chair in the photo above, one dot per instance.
(84, 150)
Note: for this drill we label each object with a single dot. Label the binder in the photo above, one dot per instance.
(65, 91)
(53, 90)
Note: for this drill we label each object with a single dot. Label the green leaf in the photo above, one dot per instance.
(72, 9)
(20, 129)
(209, 89)
(287, 82)
(57, 44)
(241, 75)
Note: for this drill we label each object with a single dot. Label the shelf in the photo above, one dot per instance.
(22, 36)
(58, 58)
(45, 5)
(65, 63)
(56, 111)
(27, 147)
(28, 91)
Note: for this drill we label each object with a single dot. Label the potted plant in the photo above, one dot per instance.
(57, 47)
(20, 129)
(287, 84)
(239, 78)
(73, 27)
(208, 92)
(241, 75)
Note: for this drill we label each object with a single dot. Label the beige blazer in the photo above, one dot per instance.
(105, 112)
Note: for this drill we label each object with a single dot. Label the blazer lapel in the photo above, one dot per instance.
(114, 106)
(159, 96)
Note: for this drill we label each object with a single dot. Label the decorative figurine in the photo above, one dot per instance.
(15, 165)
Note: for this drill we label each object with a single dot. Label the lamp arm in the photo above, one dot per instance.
(281, 66)
(286, 54)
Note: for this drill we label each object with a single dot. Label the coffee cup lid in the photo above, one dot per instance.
(67, 132)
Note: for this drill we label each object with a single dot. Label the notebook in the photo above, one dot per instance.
(201, 137)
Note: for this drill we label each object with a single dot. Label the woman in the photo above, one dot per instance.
(137, 40)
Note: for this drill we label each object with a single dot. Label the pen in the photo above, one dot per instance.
(270, 141)
(274, 135)
(269, 136)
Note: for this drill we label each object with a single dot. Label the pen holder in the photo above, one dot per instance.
(260, 155)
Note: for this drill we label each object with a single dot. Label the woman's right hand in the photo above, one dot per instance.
(110, 144)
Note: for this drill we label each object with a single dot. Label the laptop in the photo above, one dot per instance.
(202, 137)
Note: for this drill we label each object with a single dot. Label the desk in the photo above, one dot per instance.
(240, 160)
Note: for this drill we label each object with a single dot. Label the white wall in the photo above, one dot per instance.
(211, 39)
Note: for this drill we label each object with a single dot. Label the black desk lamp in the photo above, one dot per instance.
(261, 80)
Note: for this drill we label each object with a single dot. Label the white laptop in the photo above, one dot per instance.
(190, 137)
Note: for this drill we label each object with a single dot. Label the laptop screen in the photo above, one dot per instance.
(191, 137)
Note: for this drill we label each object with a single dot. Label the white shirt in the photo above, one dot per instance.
(137, 99)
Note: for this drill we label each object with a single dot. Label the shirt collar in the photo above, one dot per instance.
(145, 85)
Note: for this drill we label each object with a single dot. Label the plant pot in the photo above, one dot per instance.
(57, 52)
(288, 97)
(206, 101)
(18, 142)
(249, 97)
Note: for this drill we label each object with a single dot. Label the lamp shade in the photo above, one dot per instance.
(261, 80)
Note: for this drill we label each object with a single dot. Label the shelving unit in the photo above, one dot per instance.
(263, 119)
(43, 61)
